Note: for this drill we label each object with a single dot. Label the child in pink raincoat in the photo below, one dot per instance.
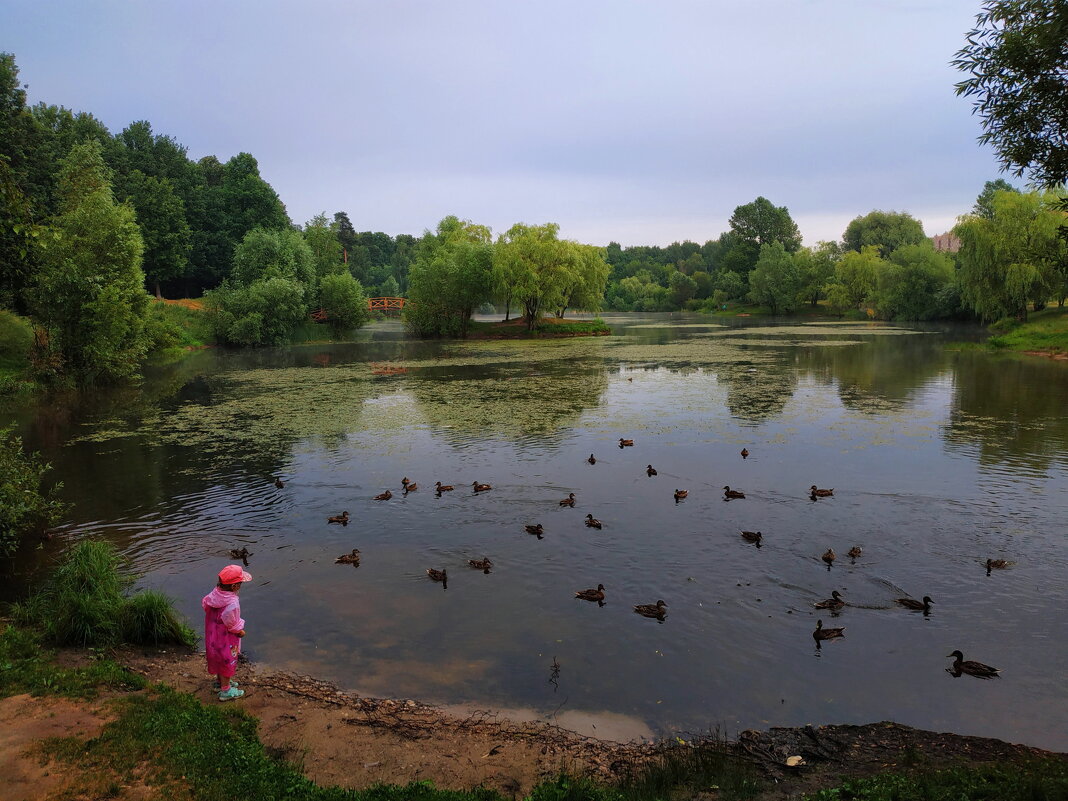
(224, 628)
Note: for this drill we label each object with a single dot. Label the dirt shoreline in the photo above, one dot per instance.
(353, 741)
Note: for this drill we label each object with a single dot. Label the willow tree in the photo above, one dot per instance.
(584, 284)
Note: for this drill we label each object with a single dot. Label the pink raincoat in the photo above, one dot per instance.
(222, 621)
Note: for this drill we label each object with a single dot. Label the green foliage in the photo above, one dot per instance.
(775, 280)
(1040, 780)
(815, 269)
(26, 666)
(266, 312)
(854, 278)
(639, 293)
(911, 284)
(321, 237)
(265, 254)
(1044, 331)
(16, 337)
(984, 203)
(1014, 59)
(164, 230)
(25, 508)
(682, 288)
(754, 225)
(169, 325)
(89, 294)
(886, 230)
(83, 603)
(344, 302)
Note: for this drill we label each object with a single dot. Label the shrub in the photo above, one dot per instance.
(148, 618)
(342, 298)
(266, 312)
(24, 508)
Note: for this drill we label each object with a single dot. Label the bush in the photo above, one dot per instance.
(266, 312)
(24, 508)
(84, 603)
(341, 297)
(16, 338)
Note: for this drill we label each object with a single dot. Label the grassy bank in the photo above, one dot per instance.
(1044, 332)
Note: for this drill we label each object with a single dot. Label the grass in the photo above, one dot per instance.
(1045, 331)
(16, 338)
(178, 325)
(1041, 780)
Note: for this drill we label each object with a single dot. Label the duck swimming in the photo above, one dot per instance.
(821, 493)
(592, 522)
(745, 453)
(279, 483)
(442, 487)
(480, 487)
(342, 518)
(659, 609)
(384, 496)
(592, 460)
(352, 558)
(680, 494)
(854, 552)
(625, 443)
(752, 536)
(243, 553)
(592, 595)
(834, 602)
(483, 564)
(829, 557)
(535, 529)
(996, 564)
(436, 575)
(411, 486)
(914, 605)
(728, 493)
(650, 471)
(972, 668)
(569, 500)
(826, 634)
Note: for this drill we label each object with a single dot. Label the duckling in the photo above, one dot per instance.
(342, 518)
(680, 494)
(745, 453)
(483, 564)
(834, 602)
(624, 443)
(535, 529)
(411, 486)
(442, 487)
(728, 493)
(243, 553)
(352, 558)
(279, 483)
(996, 564)
(972, 668)
(829, 557)
(384, 496)
(569, 500)
(916, 606)
(405, 482)
(854, 552)
(658, 610)
(650, 471)
(437, 575)
(752, 536)
(826, 634)
(592, 522)
(821, 493)
(592, 460)
(480, 487)
(592, 595)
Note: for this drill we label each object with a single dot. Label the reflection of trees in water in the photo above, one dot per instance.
(758, 392)
(885, 369)
(1010, 409)
(512, 401)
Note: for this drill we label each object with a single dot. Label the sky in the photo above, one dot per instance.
(636, 121)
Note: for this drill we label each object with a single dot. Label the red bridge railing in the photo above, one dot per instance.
(385, 304)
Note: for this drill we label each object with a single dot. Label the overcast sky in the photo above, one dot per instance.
(639, 121)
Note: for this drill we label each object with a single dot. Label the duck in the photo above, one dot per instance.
(482, 564)
(624, 443)
(971, 667)
(535, 529)
(591, 595)
(342, 518)
(854, 552)
(916, 606)
(745, 453)
(829, 557)
(592, 522)
(592, 459)
(826, 634)
(569, 500)
(659, 609)
(242, 553)
(834, 602)
(384, 496)
(650, 471)
(996, 564)
(821, 493)
(279, 483)
(405, 482)
(680, 494)
(437, 575)
(442, 487)
(729, 493)
(411, 486)
(752, 536)
(480, 487)
(352, 558)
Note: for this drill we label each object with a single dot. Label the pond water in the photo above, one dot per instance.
(939, 460)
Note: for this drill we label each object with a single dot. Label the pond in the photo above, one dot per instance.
(939, 460)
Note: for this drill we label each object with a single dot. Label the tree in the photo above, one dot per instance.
(583, 287)
(774, 281)
(1014, 257)
(682, 288)
(265, 312)
(326, 250)
(757, 224)
(1014, 57)
(90, 295)
(450, 278)
(854, 278)
(267, 253)
(912, 284)
(249, 201)
(166, 234)
(887, 230)
(984, 204)
(343, 300)
(815, 268)
(24, 506)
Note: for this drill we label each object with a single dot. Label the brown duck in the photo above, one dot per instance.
(650, 471)
(829, 557)
(279, 483)
(482, 564)
(659, 609)
(592, 460)
(914, 605)
(680, 494)
(821, 493)
(384, 496)
(535, 529)
(342, 518)
(745, 453)
(752, 536)
(240, 553)
(624, 443)
(352, 558)
(972, 668)
(442, 487)
(826, 634)
(480, 487)
(569, 500)
(592, 595)
(834, 602)
(437, 575)
(729, 493)
(592, 522)
(854, 552)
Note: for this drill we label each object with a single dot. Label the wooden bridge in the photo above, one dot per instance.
(387, 305)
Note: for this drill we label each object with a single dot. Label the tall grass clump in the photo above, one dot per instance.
(84, 603)
(684, 769)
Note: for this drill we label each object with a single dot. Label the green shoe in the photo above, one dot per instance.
(231, 694)
(218, 686)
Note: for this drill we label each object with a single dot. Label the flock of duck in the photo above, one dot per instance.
(658, 610)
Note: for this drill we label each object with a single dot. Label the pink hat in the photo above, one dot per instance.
(233, 574)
